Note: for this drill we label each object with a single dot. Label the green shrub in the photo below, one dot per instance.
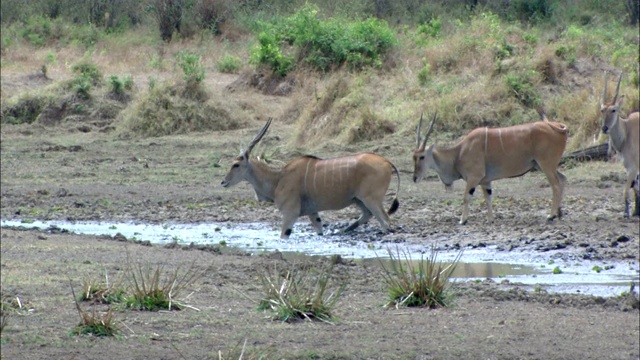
(524, 89)
(192, 68)
(118, 86)
(323, 44)
(423, 284)
(25, 109)
(268, 52)
(229, 64)
(87, 70)
(431, 28)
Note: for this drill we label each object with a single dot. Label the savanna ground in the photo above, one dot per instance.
(82, 166)
(58, 173)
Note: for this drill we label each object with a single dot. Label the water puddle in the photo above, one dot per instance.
(534, 270)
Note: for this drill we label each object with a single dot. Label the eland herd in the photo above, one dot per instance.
(308, 185)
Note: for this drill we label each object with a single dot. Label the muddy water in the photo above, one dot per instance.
(531, 269)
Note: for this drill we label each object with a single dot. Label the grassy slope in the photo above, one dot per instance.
(480, 72)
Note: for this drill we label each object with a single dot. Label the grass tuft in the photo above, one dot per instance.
(94, 323)
(153, 288)
(102, 293)
(300, 294)
(425, 283)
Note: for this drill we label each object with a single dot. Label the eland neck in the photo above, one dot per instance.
(264, 178)
(444, 161)
(618, 133)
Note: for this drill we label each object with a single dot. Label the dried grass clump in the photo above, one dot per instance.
(369, 127)
(176, 109)
(319, 120)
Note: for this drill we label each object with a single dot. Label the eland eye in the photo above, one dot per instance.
(235, 165)
(422, 157)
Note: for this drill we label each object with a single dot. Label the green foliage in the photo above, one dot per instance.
(523, 86)
(229, 64)
(192, 68)
(323, 44)
(87, 70)
(268, 52)
(430, 28)
(423, 284)
(424, 75)
(118, 86)
(556, 270)
(26, 108)
(300, 294)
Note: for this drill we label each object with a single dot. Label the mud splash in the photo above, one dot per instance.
(532, 270)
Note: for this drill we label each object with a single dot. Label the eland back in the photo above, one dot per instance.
(307, 185)
(488, 154)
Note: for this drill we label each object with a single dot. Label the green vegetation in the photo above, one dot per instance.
(423, 283)
(322, 44)
(300, 293)
(356, 72)
(556, 270)
(229, 64)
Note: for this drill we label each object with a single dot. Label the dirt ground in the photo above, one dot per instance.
(63, 173)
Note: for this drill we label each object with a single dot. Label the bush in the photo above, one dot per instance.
(118, 86)
(229, 64)
(431, 28)
(323, 44)
(523, 87)
(192, 68)
(26, 109)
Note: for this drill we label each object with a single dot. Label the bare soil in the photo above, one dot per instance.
(65, 173)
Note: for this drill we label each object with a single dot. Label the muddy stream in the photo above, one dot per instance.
(530, 270)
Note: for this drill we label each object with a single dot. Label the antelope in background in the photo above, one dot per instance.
(487, 154)
(308, 185)
(624, 135)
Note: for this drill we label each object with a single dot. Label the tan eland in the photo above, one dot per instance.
(308, 185)
(486, 154)
(624, 135)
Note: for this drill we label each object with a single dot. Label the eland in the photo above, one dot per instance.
(624, 135)
(308, 185)
(485, 155)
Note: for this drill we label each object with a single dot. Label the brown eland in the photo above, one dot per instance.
(624, 135)
(488, 154)
(308, 185)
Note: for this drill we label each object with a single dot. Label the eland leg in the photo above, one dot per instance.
(363, 219)
(487, 198)
(316, 221)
